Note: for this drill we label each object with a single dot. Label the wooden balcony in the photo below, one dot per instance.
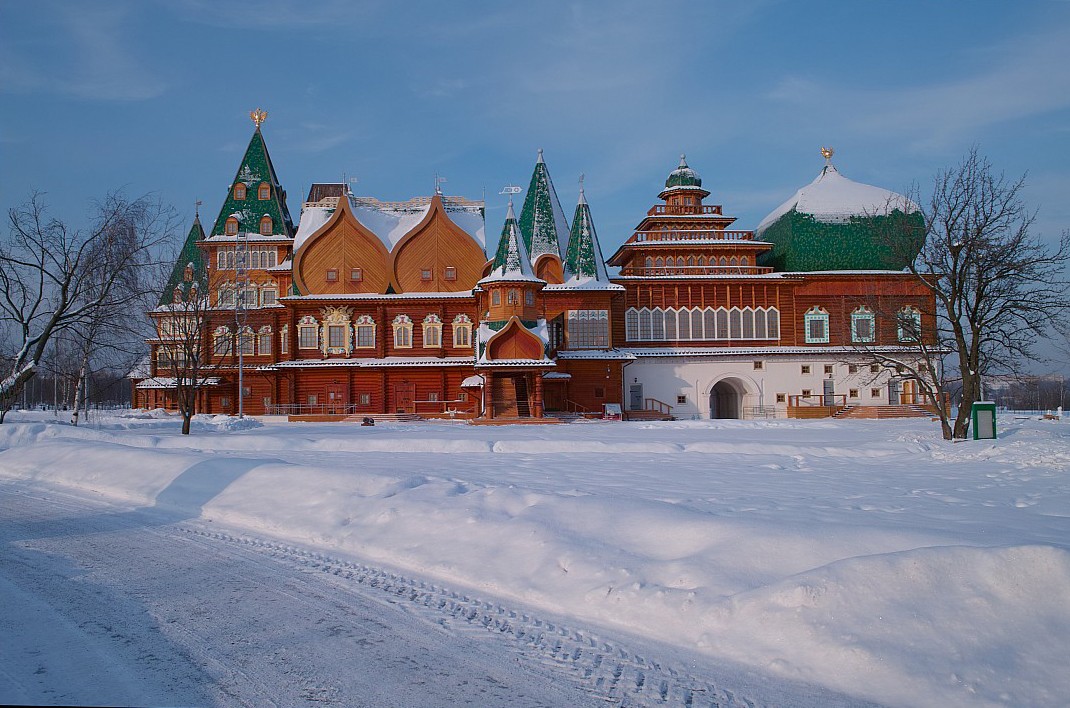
(695, 270)
(699, 235)
(685, 209)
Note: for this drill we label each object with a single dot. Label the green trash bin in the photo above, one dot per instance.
(984, 420)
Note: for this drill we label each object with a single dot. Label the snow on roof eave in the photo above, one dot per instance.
(585, 284)
(596, 354)
(312, 219)
(453, 294)
(772, 350)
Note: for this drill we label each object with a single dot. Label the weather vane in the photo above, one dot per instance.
(510, 189)
(439, 179)
(826, 152)
(258, 116)
(197, 209)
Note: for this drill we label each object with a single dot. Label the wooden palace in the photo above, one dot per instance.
(368, 307)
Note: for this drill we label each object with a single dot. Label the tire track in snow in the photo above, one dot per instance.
(607, 669)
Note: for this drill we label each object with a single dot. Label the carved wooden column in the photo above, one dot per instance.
(538, 395)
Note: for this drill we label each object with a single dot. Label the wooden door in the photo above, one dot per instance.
(404, 397)
(910, 392)
(635, 397)
(336, 398)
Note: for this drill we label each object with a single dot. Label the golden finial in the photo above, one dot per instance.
(827, 153)
(258, 116)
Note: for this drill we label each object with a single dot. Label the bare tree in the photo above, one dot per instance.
(54, 278)
(998, 288)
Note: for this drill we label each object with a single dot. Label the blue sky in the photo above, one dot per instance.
(154, 96)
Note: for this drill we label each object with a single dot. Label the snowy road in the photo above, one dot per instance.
(106, 605)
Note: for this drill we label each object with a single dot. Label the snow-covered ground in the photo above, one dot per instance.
(872, 559)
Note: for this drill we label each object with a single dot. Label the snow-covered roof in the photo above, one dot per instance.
(457, 295)
(391, 221)
(557, 375)
(484, 333)
(596, 354)
(511, 261)
(644, 352)
(249, 238)
(385, 362)
(170, 382)
(585, 283)
(542, 220)
(832, 198)
(472, 382)
(584, 267)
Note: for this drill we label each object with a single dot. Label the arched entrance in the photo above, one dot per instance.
(726, 399)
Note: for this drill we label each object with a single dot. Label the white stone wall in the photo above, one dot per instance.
(667, 378)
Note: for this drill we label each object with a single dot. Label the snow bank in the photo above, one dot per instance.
(899, 568)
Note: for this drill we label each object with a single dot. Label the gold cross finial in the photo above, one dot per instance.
(826, 152)
(258, 116)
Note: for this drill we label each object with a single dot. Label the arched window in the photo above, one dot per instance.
(701, 261)
(496, 297)
(743, 260)
(529, 298)
(263, 337)
(513, 297)
(239, 191)
(268, 295)
(230, 256)
(759, 324)
(709, 322)
(462, 331)
(644, 324)
(225, 298)
(657, 324)
(862, 325)
(231, 226)
(816, 325)
(246, 341)
(722, 323)
(735, 324)
(659, 262)
(733, 261)
(690, 261)
(684, 328)
(365, 330)
(402, 325)
(265, 226)
(670, 325)
(284, 340)
(679, 261)
(648, 263)
(432, 331)
(263, 191)
(748, 323)
(696, 324)
(724, 261)
(772, 323)
(908, 321)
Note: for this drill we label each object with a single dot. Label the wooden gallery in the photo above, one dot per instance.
(373, 308)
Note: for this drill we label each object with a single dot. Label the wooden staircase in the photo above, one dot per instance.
(509, 396)
(886, 412)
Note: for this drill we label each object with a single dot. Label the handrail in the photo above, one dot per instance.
(814, 400)
(697, 270)
(651, 404)
(694, 235)
(574, 407)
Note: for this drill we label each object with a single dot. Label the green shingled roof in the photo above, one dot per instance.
(683, 176)
(542, 220)
(255, 168)
(583, 258)
(190, 255)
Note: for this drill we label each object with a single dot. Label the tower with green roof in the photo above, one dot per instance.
(255, 193)
(542, 220)
(188, 273)
(583, 256)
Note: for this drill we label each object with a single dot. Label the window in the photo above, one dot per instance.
(908, 322)
(681, 400)
(874, 368)
(759, 365)
(462, 331)
(163, 359)
(874, 393)
(268, 296)
(336, 336)
(221, 259)
(852, 368)
(432, 331)
(308, 333)
(806, 393)
(332, 275)
(852, 393)
(631, 325)
(529, 298)
(402, 332)
(284, 340)
(226, 297)
(221, 341)
(514, 297)
(248, 296)
(365, 327)
(426, 274)
(816, 323)
(230, 258)
(496, 297)
(364, 399)
(828, 369)
(781, 398)
(254, 259)
(263, 345)
(451, 273)
(589, 329)
(805, 369)
(599, 392)
(239, 191)
(264, 191)
(862, 325)
(231, 227)
(356, 274)
(432, 395)
(313, 399)
(265, 226)
(246, 341)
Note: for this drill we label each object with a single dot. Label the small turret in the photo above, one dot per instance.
(511, 286)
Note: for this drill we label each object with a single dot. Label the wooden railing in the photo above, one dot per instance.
(573, 407)
(696, 270)
(653, 404)
(694, 235)
(686, 209)
(446, 409)
(312, 409)
(816, 405)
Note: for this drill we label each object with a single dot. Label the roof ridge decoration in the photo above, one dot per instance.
(542, 220)
(583, 257)
(255, 168)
